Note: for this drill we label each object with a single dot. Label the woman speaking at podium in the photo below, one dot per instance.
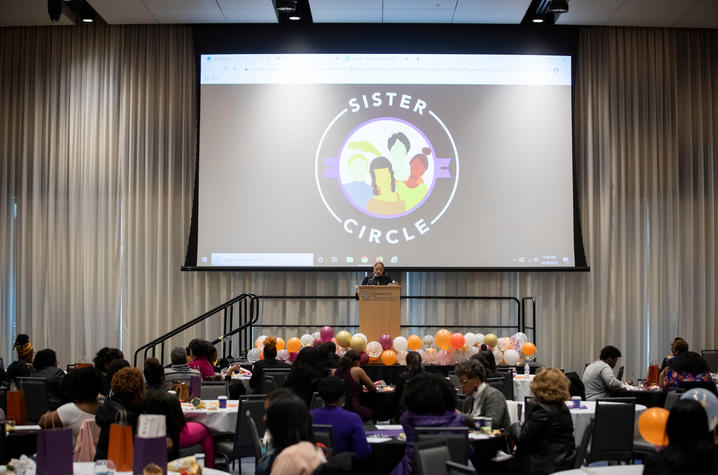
(378, 277)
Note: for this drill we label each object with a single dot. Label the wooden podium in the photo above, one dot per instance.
(379, 310)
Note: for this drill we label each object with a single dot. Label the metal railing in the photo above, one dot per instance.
(247, 314)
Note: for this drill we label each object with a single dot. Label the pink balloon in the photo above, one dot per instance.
(363, 358)
(293, 356)
(317, 341)
(326, 333)
(445, 357)
(386, 341)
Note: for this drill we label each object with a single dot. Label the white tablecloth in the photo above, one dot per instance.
(522, 387)
(612, 470)
(219, 421)
(87, 468)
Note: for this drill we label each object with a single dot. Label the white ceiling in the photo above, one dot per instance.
(661, 13)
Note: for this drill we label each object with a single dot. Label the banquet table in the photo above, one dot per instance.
(611, 470)
(87, 468)
(218, 421)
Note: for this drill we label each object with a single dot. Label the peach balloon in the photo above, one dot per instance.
(294, 345)
(528, 349)
(388, 357)
(442, 339)
(652, 425)
(414, 342)
(280, 344)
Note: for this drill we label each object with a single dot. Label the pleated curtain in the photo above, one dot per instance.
(98, 132)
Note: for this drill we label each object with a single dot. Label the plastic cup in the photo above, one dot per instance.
(576, 402)
(486, 425)
(222, 402)
(478, 422)
(199, 458)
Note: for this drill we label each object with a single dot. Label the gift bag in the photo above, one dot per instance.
(119, 449)
(181, 389)
(153, 450)
(16, 407)
(195, 386)
(54, 452)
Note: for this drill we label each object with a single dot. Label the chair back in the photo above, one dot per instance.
(214, 389)
(583, 446)
(37, 402)
(456, 438)
(711, 357)
(254, 436)
(688, 385)
(453, 468)
(671, 398)
(431, 457)
(576, 388)
(508, 385)
(324, 434)
(455, 381)
(497, 383)
(250, 407)
(317, 401)
(619, 376)
(268, 384)
(279, 375)
(613, 427)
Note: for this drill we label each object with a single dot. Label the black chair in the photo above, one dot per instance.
(239, 444)
(324, 433)
(454, 381)
(37, 402)
(214, 389)
(456, 438)
(254, 436)
(613, 428)
(711, 357)
(671, 398)
(508, 385)
(688, 385)
(268, 384)
(453, 468)
(279, 375)
(619, 376)
(317, 401)
(431, 457)
(500, 384)
(583, 446)
(576, 388)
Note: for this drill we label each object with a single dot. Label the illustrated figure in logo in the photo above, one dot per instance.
(399, 146)
(358, 189)
(386, 200)
(413, 190)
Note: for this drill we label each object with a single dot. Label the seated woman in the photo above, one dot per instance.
(199, 359)
(181, 434)
(348, 431)
(413, 369)
(292, 450)
(487, 401)
(270, 361)
(306, 372)
(355, 377)
(22, 367)
(490, 359)
(686, 366)
(690, 444)
(430, 402)
(45, 366)
(103, 359)
(545, 440)
(85, 384)
(678, 346)
(128, 394)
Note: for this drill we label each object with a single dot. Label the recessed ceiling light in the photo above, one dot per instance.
(537, 20)
(87, 20)
(295, 17)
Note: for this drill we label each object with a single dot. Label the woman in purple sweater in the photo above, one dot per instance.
(347, 429)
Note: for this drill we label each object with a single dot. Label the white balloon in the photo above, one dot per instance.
(511, 357)
(253, 355)
(260, 341)
(470, 339)
(282, 355)
(428, 341)
(498, 354)
(374, 349)
(503, 343)
(520, 338)
(472, 350)
(315, 335)
(400, 344)
(363, 336)
(307, 339)
(401, 357)
(479, 339)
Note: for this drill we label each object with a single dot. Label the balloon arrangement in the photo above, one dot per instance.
(443, 348)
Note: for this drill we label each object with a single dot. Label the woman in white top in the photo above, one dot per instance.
(84, 385)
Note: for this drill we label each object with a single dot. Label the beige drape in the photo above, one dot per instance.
(97, 148)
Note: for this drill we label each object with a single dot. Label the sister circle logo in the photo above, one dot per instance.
(386, 176)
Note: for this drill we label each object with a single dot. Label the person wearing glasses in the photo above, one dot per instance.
(486, 401)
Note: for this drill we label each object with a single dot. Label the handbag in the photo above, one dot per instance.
(120, 447)
(181, 389)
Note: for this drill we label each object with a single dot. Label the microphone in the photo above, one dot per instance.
(373, 279)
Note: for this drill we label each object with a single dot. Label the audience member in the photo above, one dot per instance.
(545, 439)
(292, 450)
(103, 359)
(413, 369)
(127, 395)
(159, 401)
(112, 369)
(85, 385)
(355, 377)
(691, 448)
(487, 401)
(305, 374)
(270, 361)
(347, 429)
(598, 377)
(679, 345)
(201, 352)
(430, 402)
(22, 367)
(179, 370)
(685, 366)
(271, 397)
(328, 356)
(45, 366)
(490, 359)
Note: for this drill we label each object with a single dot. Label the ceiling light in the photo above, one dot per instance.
(559, 6)
(295, 17)
(87, 20)
(285, 6)
(537, 20)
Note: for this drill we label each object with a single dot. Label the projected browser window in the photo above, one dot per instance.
(420, 161)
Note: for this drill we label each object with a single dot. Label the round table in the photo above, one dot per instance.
(218, 421)
(87, 468)
(612, 470)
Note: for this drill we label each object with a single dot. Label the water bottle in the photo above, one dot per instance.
(527, 369)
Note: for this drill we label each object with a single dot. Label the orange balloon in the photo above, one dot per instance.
(652, 425)
(528, 349)
(280, 344)
(414, 342)
(388, 357)
(294, 345)
(457, 341)
(443, 339)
